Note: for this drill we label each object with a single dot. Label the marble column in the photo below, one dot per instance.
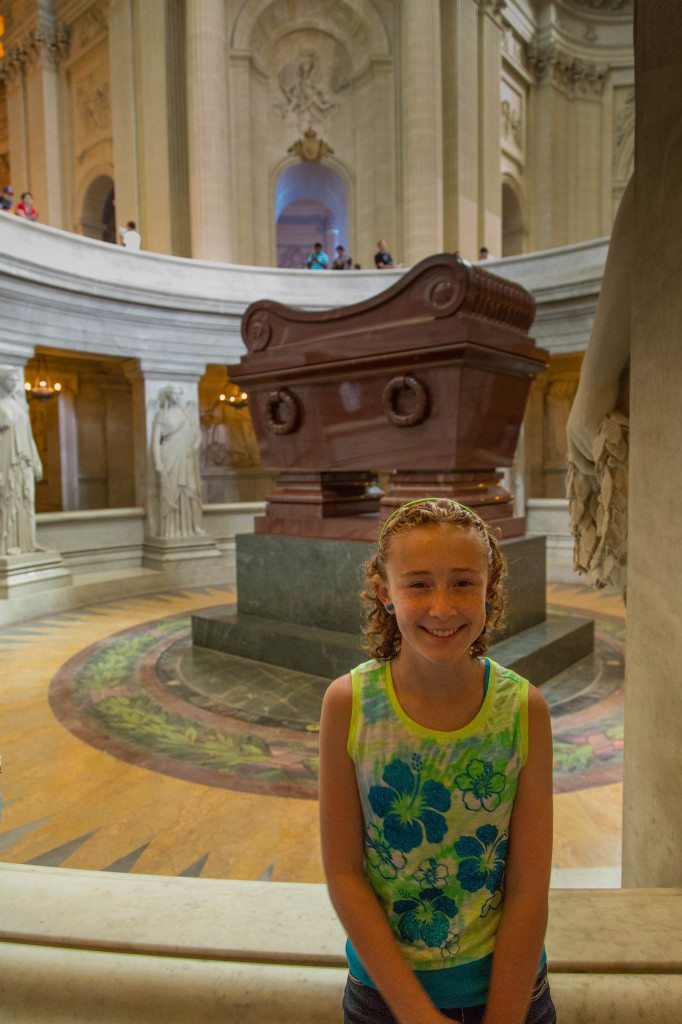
(148, 385)
(41, 91)
(460, 126)
(153, 117)
(16, 124)
(123, 113)
(652, 812)
(240, 91)
(31, 76)
(422, 141)
(208, 131)
(489, 71)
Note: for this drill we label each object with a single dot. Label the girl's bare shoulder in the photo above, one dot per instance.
(339, 694)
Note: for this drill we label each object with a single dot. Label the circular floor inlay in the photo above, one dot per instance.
(147, 696)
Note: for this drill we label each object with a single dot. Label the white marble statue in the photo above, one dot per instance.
(175, 442)
(20, 467)
(599, 425)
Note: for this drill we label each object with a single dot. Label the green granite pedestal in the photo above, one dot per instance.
(299, 607)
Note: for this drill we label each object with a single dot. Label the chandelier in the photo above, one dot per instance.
(42, 387)
(233, 395)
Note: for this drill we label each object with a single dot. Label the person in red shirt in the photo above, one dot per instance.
(26, 208)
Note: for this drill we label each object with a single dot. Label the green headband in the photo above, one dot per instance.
(417, 501)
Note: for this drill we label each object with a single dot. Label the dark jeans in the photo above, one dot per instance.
(364, 1005)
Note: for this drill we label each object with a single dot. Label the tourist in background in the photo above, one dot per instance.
(342, 261)
(382, 258)
(130, 236)
(26, 208)
(318, 260)
(7, 199)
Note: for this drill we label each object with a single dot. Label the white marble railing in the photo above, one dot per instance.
(176, 315)
(79, 946)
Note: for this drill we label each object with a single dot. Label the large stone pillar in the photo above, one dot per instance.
(30, 71)
(153, 119)
(652, 825)
(16, 122)
(43, 119)
(489, 73)
(208, 130)
(422, 124)
(460, 126)
(123, 112)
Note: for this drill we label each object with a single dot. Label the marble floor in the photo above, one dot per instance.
(125, 749)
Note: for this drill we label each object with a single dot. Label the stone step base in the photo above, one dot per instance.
(537, 653)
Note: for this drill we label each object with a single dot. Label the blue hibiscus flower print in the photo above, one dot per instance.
(481, 786)
(483, 863)
(426, 918)
(431, 875)
(379, 854)
(410, 809)
(451, 947)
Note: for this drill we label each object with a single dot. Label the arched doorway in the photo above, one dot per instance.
(98, 219)
(513, 228)
(311, 205)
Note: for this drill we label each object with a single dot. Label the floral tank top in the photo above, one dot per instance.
(436, 807)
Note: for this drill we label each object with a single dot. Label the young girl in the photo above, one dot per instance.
(436, 790)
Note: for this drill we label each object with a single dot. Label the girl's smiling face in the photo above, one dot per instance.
(437, 577)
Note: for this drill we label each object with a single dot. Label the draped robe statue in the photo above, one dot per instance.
(599, 424)
(175, 441)
(20, 467)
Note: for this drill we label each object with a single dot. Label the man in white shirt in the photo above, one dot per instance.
(130, 236)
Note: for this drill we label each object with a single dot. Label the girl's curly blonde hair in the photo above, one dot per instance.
(383, 638)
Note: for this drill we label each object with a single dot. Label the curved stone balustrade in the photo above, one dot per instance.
(64, 291)
(176, 315)
(83, 945)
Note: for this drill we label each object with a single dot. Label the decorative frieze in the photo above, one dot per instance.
(48, 47)
(571, 74)
(89, 29)
(513, 47)
(511, 125)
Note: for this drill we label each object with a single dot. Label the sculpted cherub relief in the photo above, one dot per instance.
(304, 97)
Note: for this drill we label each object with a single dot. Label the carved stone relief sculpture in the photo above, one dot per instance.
(175, 442)
(20, 467)
(512, 127)
(92, 100)
(305, 99)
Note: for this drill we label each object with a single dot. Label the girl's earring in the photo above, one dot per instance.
(487, 607)
(390, 607)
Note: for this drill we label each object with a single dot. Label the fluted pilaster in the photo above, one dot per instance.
(422, 143)
(123, 111)
(208, 130)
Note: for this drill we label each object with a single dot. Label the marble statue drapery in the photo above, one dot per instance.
(20, 467)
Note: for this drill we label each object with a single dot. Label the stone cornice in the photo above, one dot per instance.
(48, 46)
(571, 74)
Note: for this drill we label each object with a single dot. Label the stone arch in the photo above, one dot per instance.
(355, 23)
(96, 207)
(514, 230)
(324, 191)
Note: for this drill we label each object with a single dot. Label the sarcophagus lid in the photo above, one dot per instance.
(431, 374)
